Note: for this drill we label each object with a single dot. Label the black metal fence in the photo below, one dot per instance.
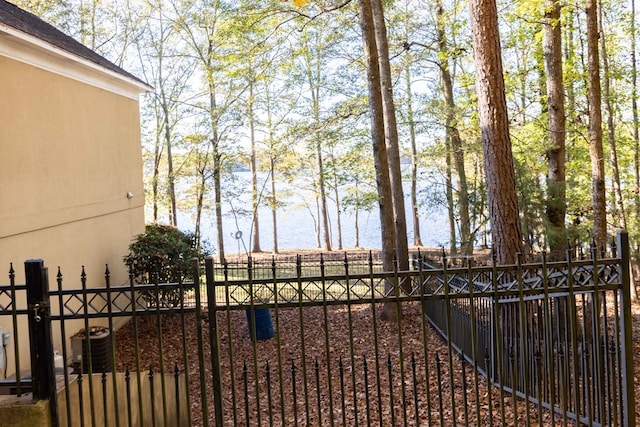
(304, 343)
(550, 333)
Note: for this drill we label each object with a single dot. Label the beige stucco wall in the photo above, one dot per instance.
(70, 155)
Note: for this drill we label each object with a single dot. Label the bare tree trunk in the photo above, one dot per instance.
(556, 154)
(199, 205)
(620, 215)
(255, 232)
(155, 180)
(453, 247)
(200, 190)
(391, 137)
(217, 187)
(634, 107)
(274, 206)
(217, 165)
(595, 128)
(273, 202)
(336, 194)
(322, 189)
(356, 214)
(415, 216)
(494, 123)
(166, 127)
(417, 238)
(636, 136)
(173, 213)
(313, 72)
(317, 224)
(387, 229)
(452, 134)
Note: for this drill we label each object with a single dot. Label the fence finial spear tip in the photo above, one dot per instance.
(568, 250)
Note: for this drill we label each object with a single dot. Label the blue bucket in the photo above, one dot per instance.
(264, 324)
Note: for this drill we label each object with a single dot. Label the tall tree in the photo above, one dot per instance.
(417, 237)
(197, 167)
(556, 153)
(276, 153)
(313, 60)
(161, 63)
(391, 135)
(451, 131)
(619, 213)
(385, 197)
(253, 165)
(164, 104)
(634, 110)
(596, 151)
(494, 125)
(407, 18)
(201, 25)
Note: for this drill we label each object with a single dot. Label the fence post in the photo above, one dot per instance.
(628, 394)
(214, 339)
(40, 340)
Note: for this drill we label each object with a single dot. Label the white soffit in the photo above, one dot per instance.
(31, 50)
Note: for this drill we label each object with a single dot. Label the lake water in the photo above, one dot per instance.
(296, 223)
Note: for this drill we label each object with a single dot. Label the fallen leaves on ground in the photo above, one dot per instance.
(324, 371)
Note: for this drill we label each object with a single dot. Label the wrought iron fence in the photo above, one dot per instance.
(532, 338)
(546, 343)
(548, 333)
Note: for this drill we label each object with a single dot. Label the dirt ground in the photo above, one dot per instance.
(244, 350)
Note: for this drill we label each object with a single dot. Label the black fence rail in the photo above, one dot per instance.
(536, 331)
(550, 333)
(334, 343)
(333, 263)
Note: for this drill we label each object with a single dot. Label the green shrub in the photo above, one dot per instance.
(163, 254)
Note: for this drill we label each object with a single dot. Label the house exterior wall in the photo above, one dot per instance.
(70, 156)
(70, 173)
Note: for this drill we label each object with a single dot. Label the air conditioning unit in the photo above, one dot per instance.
(97, 349)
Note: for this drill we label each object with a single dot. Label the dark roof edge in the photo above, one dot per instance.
(28, 23)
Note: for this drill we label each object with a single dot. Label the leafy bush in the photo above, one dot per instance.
(163, 254)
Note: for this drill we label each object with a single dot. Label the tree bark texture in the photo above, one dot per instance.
(255, 223)
(217, 163)
(391, 135)
(556, 208)
(453, 247)
(619, 215)
(634, 108)
(274, 205)
(385, 198)
(494, 123)
(595, 128)
(453, 135)
(417, 238)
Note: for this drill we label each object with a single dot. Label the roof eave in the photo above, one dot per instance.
(29, 49)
